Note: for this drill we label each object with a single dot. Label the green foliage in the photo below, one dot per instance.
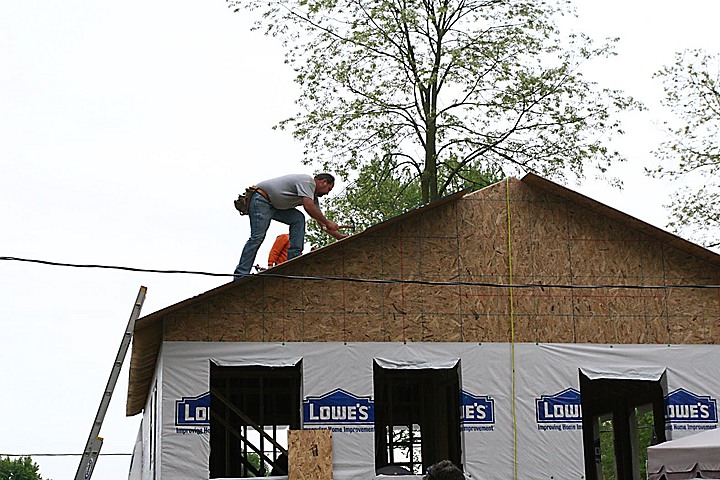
(19, 469)
(692, 149)
(607, 449)
(254, 460)
(645, 438)
(440, 90)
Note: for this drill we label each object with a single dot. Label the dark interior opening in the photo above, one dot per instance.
(417, 417)
(621, 418)
(251, 410)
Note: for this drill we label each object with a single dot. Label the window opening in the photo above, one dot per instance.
(417, 417)
(404, 446)
(621, 418)
(251, 410)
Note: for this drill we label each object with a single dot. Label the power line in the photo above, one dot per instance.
(61, 454)
(374, 280)
(114, 267)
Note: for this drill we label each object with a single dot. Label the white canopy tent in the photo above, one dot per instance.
(694, 456)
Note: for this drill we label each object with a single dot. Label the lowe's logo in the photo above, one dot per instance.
(476, 409)
(563, 407)
(193, 411)
(338, 407)
(682, 406)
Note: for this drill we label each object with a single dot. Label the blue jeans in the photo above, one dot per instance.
(260, 213)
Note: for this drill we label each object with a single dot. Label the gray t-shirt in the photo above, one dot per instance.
(288, 191)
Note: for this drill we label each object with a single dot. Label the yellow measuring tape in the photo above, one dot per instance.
(512, 328)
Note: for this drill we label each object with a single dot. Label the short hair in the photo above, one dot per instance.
(325, 176)
(444, 470)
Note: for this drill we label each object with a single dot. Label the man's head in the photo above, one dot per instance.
(324, 182)
(444, 470)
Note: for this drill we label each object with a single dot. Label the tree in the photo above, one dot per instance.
(692, 149)
(22, 468)
(437, 90)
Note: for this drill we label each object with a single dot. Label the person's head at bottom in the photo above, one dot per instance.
(444, 470)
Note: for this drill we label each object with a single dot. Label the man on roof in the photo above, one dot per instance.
(276, 199)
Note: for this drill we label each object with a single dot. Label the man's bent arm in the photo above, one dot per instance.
(315, 213)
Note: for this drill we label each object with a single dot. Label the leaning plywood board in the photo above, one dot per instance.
(310, 455)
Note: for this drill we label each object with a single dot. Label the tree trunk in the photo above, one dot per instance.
(429, 175)
(429, 179)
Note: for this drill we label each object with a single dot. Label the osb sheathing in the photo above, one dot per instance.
(551, 241)
(310, 455)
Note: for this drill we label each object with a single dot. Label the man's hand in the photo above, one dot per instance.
(337, 234)
(331, 226)
(334, 232)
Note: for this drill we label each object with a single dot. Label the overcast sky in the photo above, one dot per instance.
(127, 129)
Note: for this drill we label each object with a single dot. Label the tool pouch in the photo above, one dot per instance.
(242, 204)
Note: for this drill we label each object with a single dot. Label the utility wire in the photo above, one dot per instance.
(113, 267)
(61, 454)
(374, 280)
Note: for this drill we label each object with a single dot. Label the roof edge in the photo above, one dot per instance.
(632, 222)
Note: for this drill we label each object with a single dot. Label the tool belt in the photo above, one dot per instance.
(242, 204)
